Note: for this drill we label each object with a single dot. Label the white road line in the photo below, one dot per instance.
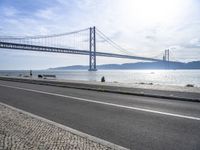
(105, 103)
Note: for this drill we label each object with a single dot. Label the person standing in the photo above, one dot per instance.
(31, 73)
(103, 79)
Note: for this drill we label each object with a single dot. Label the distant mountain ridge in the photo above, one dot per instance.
(139, 65)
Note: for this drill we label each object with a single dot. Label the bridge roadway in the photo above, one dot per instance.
(17, 46)
(130, 121)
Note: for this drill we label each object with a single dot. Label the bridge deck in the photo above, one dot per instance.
(28, 47)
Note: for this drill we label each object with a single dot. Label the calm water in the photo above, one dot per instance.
(162, 77)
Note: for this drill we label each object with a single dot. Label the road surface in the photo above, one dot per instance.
(134, 122)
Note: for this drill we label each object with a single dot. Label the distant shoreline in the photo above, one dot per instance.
(86, 70)
(139, 66)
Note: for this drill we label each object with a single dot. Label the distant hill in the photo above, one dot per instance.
(139, 65)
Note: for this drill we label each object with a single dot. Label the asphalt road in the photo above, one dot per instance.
(131, 121)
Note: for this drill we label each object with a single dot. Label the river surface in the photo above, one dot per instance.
(161, 77)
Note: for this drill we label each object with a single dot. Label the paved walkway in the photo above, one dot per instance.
(156, 91)
(19, 131)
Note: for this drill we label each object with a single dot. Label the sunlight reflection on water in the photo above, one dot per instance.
(162, 77)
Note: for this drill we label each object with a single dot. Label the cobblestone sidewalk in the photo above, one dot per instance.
(19, 131)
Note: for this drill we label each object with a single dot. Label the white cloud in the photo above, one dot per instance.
(46, 14)
(9, 11)
(195, 42)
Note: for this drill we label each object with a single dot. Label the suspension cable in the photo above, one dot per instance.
(111, 42)
(40, 36)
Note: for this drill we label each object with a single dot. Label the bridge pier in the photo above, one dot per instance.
(92, 56)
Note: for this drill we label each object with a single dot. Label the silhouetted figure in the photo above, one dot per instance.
(103, 79)
(31, 73)
(40, 76)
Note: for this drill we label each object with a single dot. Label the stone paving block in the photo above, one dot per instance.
(19, 131)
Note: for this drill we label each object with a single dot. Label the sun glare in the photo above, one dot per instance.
(157, 11)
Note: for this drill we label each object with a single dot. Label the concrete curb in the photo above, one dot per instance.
(76, 132)
(105, 88)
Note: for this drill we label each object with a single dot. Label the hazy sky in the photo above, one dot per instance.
(144, 27)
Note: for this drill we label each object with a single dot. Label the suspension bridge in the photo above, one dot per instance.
(81, 42)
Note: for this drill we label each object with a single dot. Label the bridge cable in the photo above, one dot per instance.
(111, 42)
(41, 36)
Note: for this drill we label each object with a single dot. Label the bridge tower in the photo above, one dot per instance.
(166, 55)
(92, 44)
